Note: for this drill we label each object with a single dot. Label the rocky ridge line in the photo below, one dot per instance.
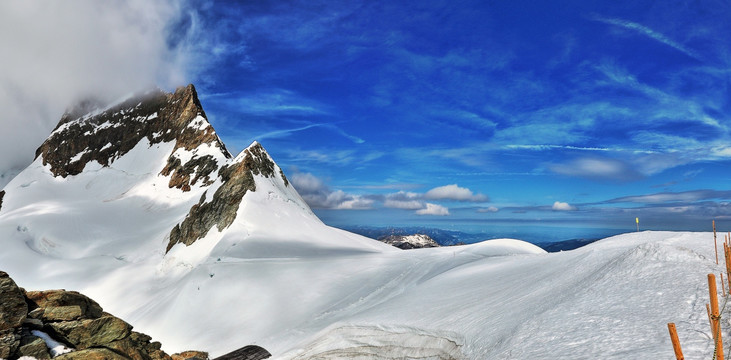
(237, 179)
(105, 135)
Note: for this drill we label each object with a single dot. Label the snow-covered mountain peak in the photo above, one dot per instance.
(414, 241)
(152, 168)
(104, 135)
(220, 208)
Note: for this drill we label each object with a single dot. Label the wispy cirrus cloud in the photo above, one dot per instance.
(269, 102)
(596, 168)
(668, 197)
(287, 132)
(648, 32)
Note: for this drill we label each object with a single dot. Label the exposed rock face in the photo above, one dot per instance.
(105, 135)
(13, 309)
(237, 179)
(69, 318)
(2, 194)
(92, 354)
(61, 305)
(191, 355)
(251, 352)
(405, 242)
(33, 346)
(91, 332)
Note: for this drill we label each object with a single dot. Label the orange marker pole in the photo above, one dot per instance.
(710, 320)
(723, 286)
(713, 292)
(715, 244)
(727, 258)
(676, 342)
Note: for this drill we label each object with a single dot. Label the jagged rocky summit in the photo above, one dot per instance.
(405, 242)
(86, 133)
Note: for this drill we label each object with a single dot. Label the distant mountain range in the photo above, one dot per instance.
(452, 237)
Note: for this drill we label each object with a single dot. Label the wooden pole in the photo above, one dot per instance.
(713, 292)
(723, 286)
(727, 259)
(710, 320)
(715, 244)
(676, 342)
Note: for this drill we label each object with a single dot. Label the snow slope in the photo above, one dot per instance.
(280, 278)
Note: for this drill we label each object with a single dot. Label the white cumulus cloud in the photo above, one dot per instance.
(433, 209)
(318, 195)
(454, 192)
(562, 206)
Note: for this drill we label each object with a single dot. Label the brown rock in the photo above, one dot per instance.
(62, 313)
(33, 324)
(250, 352)
(9, 343)
(92, 354)
(137, 346)
(34, 347)
(13, 309)
(190, 355)
(64, 302)
(128, 348)
(83, 334)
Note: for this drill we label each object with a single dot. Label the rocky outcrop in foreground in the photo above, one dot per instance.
(405, 242)
(67, 325)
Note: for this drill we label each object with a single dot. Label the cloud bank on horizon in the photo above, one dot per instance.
(466, 111)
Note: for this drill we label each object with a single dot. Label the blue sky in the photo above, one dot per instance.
(475, 114)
